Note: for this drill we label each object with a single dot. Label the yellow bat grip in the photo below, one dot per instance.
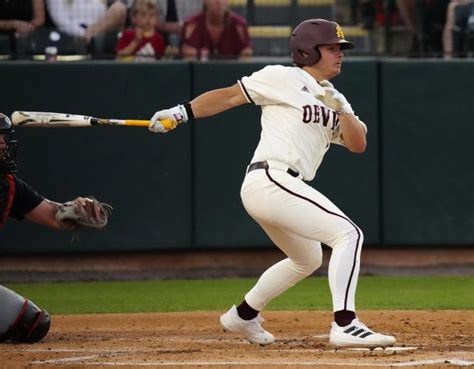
(167, 123)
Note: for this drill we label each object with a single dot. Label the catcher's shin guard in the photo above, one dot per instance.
(31, 325)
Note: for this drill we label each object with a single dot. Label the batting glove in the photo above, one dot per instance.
(326, 83)
(334, 99)
(175, 115)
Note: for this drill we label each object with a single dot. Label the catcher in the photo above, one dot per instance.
(20, 319)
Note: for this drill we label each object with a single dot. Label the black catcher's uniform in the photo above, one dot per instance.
(20, 319)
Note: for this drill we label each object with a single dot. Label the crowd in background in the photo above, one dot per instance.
(203, 29)
(437, 28)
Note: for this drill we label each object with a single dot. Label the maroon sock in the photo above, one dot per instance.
(246, 312)
(344, 317)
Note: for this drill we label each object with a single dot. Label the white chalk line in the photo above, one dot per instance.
(389, 350)
(148, 351)
(458, 362)
(66, 360)
(104, 353)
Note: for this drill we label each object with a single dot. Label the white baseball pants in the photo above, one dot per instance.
(298, 218)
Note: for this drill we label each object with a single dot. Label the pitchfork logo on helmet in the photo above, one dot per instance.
(8, 146)
(339, 33)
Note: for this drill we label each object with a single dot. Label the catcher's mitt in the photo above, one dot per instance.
(83, 212)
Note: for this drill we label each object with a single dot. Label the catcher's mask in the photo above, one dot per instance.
(8, 145)
(308, 35)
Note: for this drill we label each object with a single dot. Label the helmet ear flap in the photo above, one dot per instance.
(318, 54)
(302, 53)
(309, 59)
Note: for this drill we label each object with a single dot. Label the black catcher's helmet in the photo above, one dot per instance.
(7, 154)
(308, 35)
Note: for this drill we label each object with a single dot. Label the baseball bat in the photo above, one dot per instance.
(56, 120)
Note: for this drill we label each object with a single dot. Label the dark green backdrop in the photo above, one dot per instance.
(181, 190)
(428, 176)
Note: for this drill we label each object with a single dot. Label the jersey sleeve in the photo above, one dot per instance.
(266, 86)
(26, 199)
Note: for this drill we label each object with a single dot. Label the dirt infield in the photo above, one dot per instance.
(195, 340)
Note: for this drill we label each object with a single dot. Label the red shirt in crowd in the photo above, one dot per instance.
(234, 38)
(149, 46)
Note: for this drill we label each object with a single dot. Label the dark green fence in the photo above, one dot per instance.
(182, 190)
(428, 176)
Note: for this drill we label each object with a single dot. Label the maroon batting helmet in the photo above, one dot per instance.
(308, 35)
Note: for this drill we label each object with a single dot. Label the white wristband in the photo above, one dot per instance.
(180, 114)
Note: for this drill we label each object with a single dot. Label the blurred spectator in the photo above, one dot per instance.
(87, 18)
(432, 16)
(216, 32)
(18, 18)
(371, 13)
(142, 40)
(457, 19)
(406, 9)
(425, 19)
(363, 12)
(175, 12)
(172, 15)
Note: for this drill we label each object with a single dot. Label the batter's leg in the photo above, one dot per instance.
(296, 208)
(304, 257)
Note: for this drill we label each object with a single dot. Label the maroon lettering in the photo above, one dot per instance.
(326, 115)
(317, 115)
(335, 120)
(306, 114)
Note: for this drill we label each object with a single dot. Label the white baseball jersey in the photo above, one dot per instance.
(297, 128)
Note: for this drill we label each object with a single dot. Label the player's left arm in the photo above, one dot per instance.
(81, 212)
(44, 214)
(353, 132)
(205, 105)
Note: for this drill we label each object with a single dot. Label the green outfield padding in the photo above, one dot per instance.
(413, 186)
(427, 141)
(384, 293)
(223, 147)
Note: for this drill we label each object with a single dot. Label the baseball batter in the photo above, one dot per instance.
(20, 319)
(302, 114)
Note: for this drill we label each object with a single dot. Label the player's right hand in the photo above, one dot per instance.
(176, 115)
(156, 126)
(334, 99)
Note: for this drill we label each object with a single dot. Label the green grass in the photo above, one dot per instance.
(385, 293)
